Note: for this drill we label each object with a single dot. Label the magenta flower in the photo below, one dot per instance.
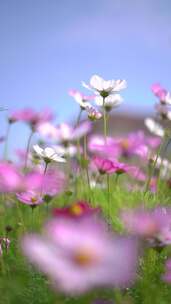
(103, 165)
(159, 91)
(81, 255)
(106, 148)
(30, 198)
(31, 117)
(153, 225)
(76, 210)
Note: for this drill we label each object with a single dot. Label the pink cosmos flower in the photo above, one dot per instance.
(93, 113)
(10, 177)
(107, 166)
(67, 133)
(12, 180)
(31, 117)
(153, 225)
(103, 165)
(4, 243)
(137, 143)
(167, 276)
(159, 91)
(81, 99)
(46, 129)
(31, 198)
(81, 255)
(77, 210)
(106, 148)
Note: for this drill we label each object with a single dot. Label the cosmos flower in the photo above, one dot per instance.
(81, 255)
(103, 165)
(31, 117)
(48, 154)
(163, 111)
(105, 87)
(46, 129)
(159, 91)
(31, 198)
(93, 113)
(77, 210)
(81, 99)
(154, 127)
(167, 276)
(153, 225)
(68, 134)
(109, 102)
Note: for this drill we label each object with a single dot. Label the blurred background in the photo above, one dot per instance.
(49, 46)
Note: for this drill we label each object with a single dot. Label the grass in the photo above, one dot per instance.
(21, 283)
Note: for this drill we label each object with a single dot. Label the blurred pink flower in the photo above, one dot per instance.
(81, 255)
(153, 225)
(167, 276)
(103, 165)
(32, 117)
(76, 210)
(67, 134)
(159, 91)
(81, 99)
(106, 148)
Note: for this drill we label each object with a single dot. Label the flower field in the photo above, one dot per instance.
(84, 217)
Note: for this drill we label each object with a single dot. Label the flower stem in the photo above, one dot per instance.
(104, 120)
(153, 167)
(85, 157)
(28, 149)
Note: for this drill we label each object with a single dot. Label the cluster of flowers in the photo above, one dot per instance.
(77, 249)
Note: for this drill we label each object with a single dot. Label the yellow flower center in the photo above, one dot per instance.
(76, 210)
(84, 258)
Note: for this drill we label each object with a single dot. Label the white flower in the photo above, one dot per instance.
(105, 87)
(154, 127)
(168, 98)
(48, 154)
(70, 150)
(109, 102)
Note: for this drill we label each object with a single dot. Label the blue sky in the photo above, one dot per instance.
(49, 46)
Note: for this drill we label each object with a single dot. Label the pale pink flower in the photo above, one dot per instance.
(153, 225)
(79, 255)
(31, 198)
(81, 99)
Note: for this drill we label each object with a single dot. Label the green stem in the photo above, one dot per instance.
(104, 120)
(153, 167)
(85, 157)
(28, 149)
(108, 195)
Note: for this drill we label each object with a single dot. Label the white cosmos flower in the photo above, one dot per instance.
(110, 101)
(49, 154)
(105, 87)
(154, 127)
(70, 150)
(168, 98)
